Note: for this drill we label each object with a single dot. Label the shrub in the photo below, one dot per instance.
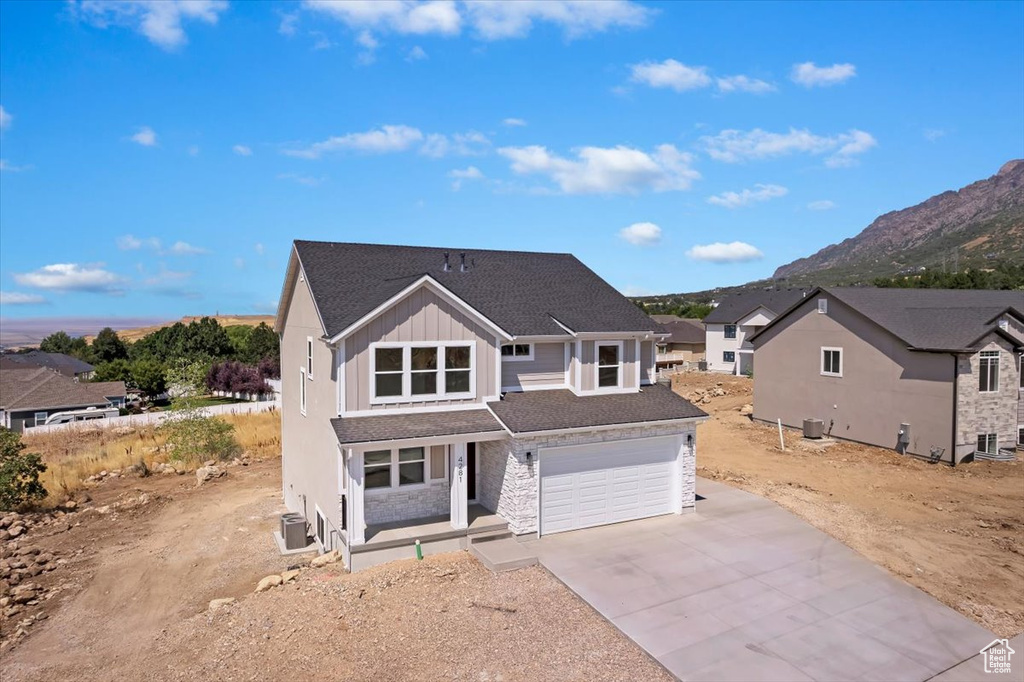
(19, 472)
(194, 437)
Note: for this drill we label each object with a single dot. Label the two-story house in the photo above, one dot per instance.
(729, 326)
(423, 384)
(929, 372)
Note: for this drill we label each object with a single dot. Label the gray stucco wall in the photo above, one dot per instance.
(883, 384)
(978, 412)
(546, 368)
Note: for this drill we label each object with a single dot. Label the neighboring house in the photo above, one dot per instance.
(420, 387)
(33, 397)
(684, 343)
(735, 319)
(934, 373)
(67, 365)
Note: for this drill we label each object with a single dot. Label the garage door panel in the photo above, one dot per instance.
(606, 482)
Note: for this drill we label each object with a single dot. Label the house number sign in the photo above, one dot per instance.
(459, 467)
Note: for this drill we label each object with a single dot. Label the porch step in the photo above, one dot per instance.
(490, 535)
(1003, 455)
(504, 554)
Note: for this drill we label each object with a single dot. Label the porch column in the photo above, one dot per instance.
(459, 492)
(356, 527)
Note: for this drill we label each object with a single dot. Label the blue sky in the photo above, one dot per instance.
(158, 158)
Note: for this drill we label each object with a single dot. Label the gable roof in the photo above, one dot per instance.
(737, 306)
(67, 365)
(930, 319)
(684, 331)
(43, 389)
(523, 293)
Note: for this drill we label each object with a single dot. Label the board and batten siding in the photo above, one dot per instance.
(647, 370)
(546, 369)
(425, 315)
(588, 366)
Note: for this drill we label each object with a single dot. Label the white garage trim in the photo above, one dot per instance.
(581, 486)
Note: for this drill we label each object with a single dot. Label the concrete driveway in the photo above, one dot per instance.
(744, 590)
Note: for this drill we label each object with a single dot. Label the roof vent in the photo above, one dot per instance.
(447, 266)
(462, 266)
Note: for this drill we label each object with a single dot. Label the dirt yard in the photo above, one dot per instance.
(141, 558)
(956, 533)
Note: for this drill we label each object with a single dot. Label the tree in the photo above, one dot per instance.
(57, 342)
(239, 335)
(108, 346)
(149, 376)
(115, 370)
(19, 472)
(193, 436)
(187, 378)
(263, 343)
(205, 338)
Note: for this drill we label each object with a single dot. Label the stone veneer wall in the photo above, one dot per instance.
(509, 483)
(403, 504)
(979, 412)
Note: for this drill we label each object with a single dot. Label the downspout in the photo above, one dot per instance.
(956, 402)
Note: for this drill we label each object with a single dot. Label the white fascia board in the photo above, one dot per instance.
(424, 280)
(605, 427)
(567, 329)
(614, 336)
(427, 441)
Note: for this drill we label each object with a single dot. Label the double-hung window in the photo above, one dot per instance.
(609, 365)
(403, 372)
(988, 371)
(832, 362)
(39, 418)
(730, 331)
(302, 391)
(987, 443)
(377, 469)
(396, 468)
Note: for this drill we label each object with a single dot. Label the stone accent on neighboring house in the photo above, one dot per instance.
(977, 412)
(403, 504)
(509, 480)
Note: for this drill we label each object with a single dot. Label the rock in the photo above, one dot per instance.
(747, 410)
(15, 531)
(268, 582)
(324, 559)
(70, 504)
(223, 601)
(207, 472)
(289, 576)
(209, 463)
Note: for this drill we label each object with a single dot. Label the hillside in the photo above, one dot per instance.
(224, 320)
(972, 227)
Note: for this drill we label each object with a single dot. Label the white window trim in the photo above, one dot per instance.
(407, 396)
(395, 485)
(309, 358)
(995, 450)
(994, 354)
(733, 355)
(821, 361)
(735, 332)
(516, 358)
(317, 515)
(302, 391)
(35, 418)
(597, 367)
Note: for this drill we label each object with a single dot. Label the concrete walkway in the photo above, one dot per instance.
(744, 590)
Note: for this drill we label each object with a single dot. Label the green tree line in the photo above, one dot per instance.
(1002, 276)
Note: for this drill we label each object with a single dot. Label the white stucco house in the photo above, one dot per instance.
(735, 319)
(426, 394)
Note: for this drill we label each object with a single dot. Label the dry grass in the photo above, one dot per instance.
(225, 321)
(74, 454)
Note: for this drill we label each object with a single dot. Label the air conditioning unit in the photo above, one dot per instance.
(814, 428)
(293, 530)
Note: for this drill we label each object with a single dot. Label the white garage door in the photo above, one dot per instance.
(591, 485)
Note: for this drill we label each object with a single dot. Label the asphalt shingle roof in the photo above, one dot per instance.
(519, 291)
(685, 331)
(403, 426)
(65, 364)
(561, 409)
(44, 389)
(733, 308)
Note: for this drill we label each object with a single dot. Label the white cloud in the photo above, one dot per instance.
(72, 277)
(635, 290)
(259, 248)
(932, 134)
(386, 139)
(180, 248)
(144, 136)
(641, 234)
(416, 54)
(670, 74)
(307, 180)
(240, 263)
(242, 150)
(19, 298)
(164, 277)
(734, 146)
(471, 143)
(612, 170)
(159, 20)
(748, 196)
(514, 122)
(289, 24)
(193, 150)
(7, 167)
(321, 42)
(809, 75)
(129, 243)
(719, 252)
(744, 84)
(366, 39)
(469, 173)
(5, 119)
(401, 16)
(821, 205)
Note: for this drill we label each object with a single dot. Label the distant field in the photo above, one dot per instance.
(225, 320)
(26, 333)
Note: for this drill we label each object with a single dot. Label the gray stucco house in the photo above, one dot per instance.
(421, 385)
(930, 372)
(734, 321)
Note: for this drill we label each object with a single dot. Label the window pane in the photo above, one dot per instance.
(424, 358)
(607, 355)
(410, 454)
(456, 381)
(456, 357)
(389, 384)
(728, 356)
(424, 383)
(410, 473)
(608, 376)
(730, 331)
(377, 457)
(389, 359)
(507, 351)
(378, 477)
(523, 349)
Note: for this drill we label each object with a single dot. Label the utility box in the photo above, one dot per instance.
(903, 438)
(293, 530)
(814, 428)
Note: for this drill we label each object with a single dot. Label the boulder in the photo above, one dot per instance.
(268, 582)
(289, 576)
(221, 603)
(208, 472)
(324, 559)
(747, 410)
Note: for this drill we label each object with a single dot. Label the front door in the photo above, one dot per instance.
(471, 472)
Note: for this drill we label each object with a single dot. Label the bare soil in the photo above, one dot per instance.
(133, 602)
(954, 532)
